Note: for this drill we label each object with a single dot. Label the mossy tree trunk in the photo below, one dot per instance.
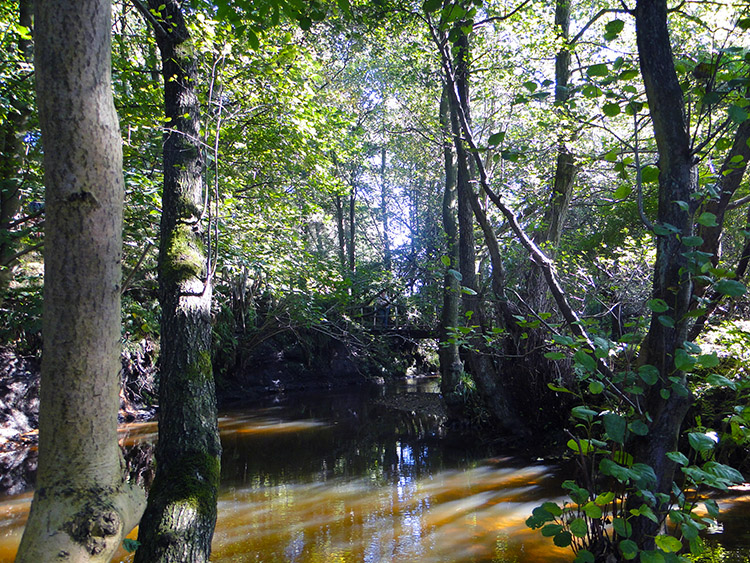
(83, 504)
(181, 514)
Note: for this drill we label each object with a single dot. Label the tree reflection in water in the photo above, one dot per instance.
(341, 478)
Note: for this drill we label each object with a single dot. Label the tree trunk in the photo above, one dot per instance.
(341, 233)
(83, 505)
(451, 366)
(672, 281)
(181, 514)
(384, 213)
(484, 371)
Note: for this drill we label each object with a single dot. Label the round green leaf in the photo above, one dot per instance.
(579, 528)
(669, 544)
(629, 549)
(563, 539)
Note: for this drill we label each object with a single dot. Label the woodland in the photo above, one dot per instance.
(545, 202)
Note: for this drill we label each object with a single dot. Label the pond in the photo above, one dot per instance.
(340, 477)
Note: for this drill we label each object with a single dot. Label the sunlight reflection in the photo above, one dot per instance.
(448, 516)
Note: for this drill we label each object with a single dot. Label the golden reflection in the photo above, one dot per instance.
(395, 504)
(452, 516)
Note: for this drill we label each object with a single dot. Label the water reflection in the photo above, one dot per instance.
(341, 478)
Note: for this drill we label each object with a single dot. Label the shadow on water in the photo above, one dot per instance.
(340, 477)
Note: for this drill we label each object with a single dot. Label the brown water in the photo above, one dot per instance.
(335, 478)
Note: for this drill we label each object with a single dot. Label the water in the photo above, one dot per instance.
(337, 477)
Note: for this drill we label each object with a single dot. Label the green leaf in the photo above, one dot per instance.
(497, 139)
(598, 70)
(557, 389)
(611, 109)
(652, 557)
(732, 288)
(612, 29)
(657, 305)
(709, 360)
(583, 413)
(549, 530)
(683, 361)
(623, 191)
(724, 472)
(555, 356)
(700, 442)
(445, 260)
(605, 498)
(252, 39)
(130, 545)
(584, 556)
(579, 528)
(669, 544)
(638, 427)
(737, 114)
(678, 458)
(596, 387)
(585, 360)
(432, 5)
(648, 373)
(692, 241)
(552, 508)
(707, 219)
(629, 549)
(649, 174)
(622, 527)
(592, 510)
(717, 380)
(563, 539)
(456, 274)
(615, 426)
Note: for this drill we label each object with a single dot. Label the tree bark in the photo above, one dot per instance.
(83, 504)
(451, 366)
(672, 281)
(181, 514)
(492, 388)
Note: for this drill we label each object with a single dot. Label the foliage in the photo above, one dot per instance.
(612, 489)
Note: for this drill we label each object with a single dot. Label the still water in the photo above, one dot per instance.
(338, 477)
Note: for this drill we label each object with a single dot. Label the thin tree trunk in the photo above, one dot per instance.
(384, 213)
(550, 233)
(83, 504)
(451, 366)
(181, 514)
(341, 233)
(481, 365)
(352, 230)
